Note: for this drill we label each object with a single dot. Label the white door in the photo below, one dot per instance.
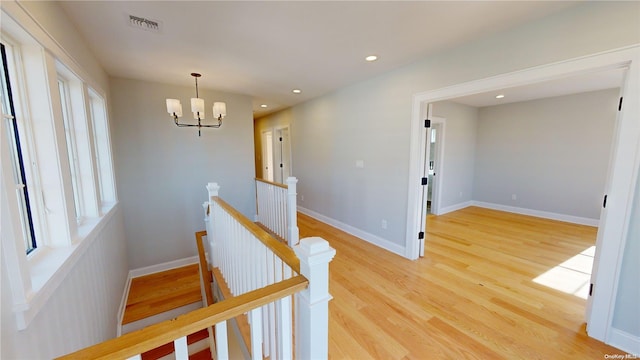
(267, 155)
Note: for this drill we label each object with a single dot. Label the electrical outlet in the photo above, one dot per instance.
(359, 163)
(383, 224)
(301, 197)
(514, 197)
(460, 194)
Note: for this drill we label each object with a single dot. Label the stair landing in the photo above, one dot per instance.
(157, 293)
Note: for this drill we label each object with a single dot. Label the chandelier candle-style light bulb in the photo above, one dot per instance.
(219, 110)
(197, 108)
(174, 108)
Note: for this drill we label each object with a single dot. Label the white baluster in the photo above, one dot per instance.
(312, 304)
(255, 318)
(181, 348)
(284, 336)
(222, 344)
(292, 212)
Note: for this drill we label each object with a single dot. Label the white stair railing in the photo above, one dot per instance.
(277, 208)
(263, 274)
(249, 258)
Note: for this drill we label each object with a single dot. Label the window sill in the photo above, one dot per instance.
(50, 266)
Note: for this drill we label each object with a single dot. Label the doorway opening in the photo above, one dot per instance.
(276, 154)
(622, 172)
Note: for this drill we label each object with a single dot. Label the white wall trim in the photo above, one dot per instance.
(368, 237)
(123, 305)
(537, 213)
(162, 267)
(454, 207)
(625, 341)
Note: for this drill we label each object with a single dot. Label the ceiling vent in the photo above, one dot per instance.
(144, 23)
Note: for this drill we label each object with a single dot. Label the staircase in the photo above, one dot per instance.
(163, 296)
(255, 276)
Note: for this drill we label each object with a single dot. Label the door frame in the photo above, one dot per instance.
(625, 161)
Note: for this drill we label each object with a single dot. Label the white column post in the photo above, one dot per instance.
(212, 189)
(292, 211)
(312, 304)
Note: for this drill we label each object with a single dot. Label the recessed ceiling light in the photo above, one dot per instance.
(371, 58)
(263, 105)
(500, 96)
(296, 91)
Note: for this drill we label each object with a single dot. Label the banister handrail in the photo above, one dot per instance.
(153, 336)
(284, 252)
(284, 186)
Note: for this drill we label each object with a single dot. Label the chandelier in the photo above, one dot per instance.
(174, 108)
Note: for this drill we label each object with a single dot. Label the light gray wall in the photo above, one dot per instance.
(162, 170)
(552, 153)
(626, 316)
(459, 152)
(370, 120)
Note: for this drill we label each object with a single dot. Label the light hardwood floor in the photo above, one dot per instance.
(156, 293)
(472, 296)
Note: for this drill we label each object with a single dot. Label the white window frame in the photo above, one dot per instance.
(34, 68)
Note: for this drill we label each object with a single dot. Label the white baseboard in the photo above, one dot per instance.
(454, 207)
(123, 304)
(162, 267)
(625, 341)
(538, 213)
(368, 237)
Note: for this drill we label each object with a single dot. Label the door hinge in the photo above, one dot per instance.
(427, 123)
(280, 138)
(421, 235)
(590, 289)
(280, 165)
(604, 202)
(425, 181)
(620, 104)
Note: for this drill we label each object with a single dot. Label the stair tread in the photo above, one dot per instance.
(161, 292)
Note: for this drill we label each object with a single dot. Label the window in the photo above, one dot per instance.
(102, 148)
(56, 152)
(72, 150)
(17, 158)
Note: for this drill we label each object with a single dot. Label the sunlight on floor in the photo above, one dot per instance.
(572, 276)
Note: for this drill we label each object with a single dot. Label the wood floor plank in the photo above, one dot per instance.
(472, 296)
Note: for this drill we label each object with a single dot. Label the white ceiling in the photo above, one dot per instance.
(600, 80)
(266, 49)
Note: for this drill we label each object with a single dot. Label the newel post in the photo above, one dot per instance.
(312, 304)
(292, 211)
(212, 188)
